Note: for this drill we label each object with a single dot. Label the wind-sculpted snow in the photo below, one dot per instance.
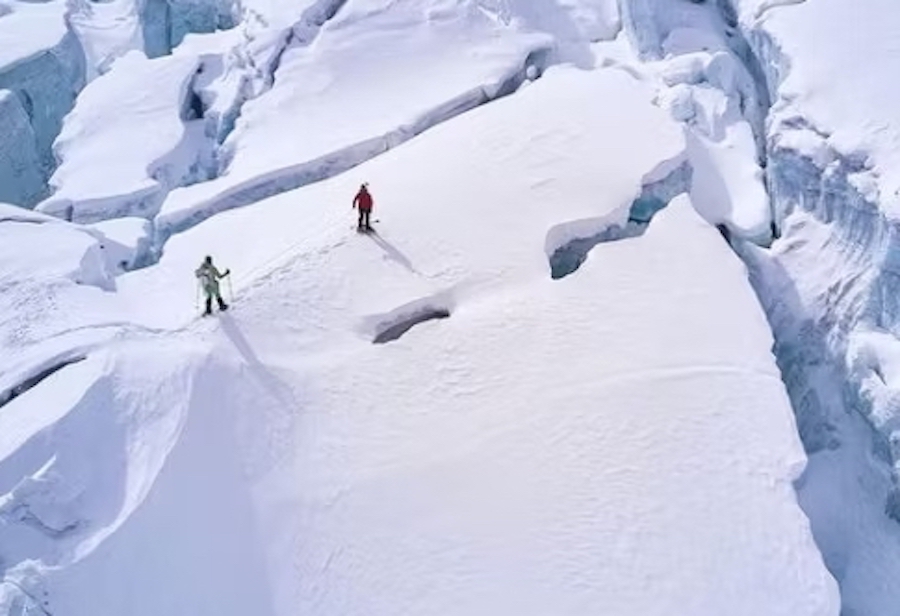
(62, 499)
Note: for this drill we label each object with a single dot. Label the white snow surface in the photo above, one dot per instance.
(358, 67)
(615, 440)
(127, 240)
(419, 420)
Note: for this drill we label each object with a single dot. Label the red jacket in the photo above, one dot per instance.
(363, 200)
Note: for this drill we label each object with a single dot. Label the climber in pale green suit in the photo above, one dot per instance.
(209, 277)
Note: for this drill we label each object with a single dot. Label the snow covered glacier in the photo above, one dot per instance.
(51, 48)
(546, 385)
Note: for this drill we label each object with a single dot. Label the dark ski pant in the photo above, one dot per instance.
(209, 299)
(364, 215)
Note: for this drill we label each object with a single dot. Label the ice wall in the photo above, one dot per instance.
(45, 75)
(831, 279)
(21, 180)
(706, 78)
(187, 16)
(834, 226)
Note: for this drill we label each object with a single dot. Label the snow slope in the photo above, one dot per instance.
(618, 438)
(358, 68)
(523, 395)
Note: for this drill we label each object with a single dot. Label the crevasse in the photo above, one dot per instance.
(829, 285)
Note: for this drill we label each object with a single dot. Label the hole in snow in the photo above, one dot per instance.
(194, 109)
(17, 390)
(394, 329)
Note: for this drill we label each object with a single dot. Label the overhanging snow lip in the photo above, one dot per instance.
(392, 325)
(396, 329)
(568, 244)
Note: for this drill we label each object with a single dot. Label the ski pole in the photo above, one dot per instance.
(230, 290)
(197, 296)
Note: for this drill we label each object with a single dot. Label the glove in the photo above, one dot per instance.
(228, 271)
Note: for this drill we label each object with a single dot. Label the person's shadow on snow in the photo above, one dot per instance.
(392, 252)
(275, 386)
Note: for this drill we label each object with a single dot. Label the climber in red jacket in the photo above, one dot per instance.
(364, 202)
